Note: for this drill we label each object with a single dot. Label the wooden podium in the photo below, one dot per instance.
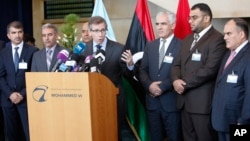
(71, 107)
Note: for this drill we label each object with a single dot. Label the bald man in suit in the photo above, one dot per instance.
(231, 101)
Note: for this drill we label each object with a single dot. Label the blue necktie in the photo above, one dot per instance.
(16, 58)
(98, 47)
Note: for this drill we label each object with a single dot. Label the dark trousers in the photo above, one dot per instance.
(164, 124)
(16, 123)
(197, 127)
(223, 136)
(2, 132)
(121, 112)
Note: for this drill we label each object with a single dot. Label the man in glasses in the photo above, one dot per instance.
(194, 72)
(112, 67)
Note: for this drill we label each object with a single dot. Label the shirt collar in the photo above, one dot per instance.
(103, 44)
(19, 45)
(240, 47)
(204, 31)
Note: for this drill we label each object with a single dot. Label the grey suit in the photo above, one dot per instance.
(39, 63)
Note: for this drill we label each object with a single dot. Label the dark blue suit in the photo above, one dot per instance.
(231, 101)
(11, 81)
(165, 103)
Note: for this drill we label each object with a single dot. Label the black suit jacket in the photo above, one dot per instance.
(199, 75)
(112, 67)
(10, 80)
(150, 72)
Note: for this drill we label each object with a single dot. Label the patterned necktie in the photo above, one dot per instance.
(162, 52)
(16, 58)
(196, 37)
(230, 58)
(48, 58)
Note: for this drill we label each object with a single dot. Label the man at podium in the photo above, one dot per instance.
(112, 66)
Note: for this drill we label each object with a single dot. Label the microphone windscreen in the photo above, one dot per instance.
(100, 51)
(93, 65)
(63, 55)
(88, 58)
(75, 57)
(79, 48)
(63, 68)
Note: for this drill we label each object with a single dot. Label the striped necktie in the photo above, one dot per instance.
(48, 58)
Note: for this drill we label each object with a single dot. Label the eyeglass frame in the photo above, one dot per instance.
(99, 31)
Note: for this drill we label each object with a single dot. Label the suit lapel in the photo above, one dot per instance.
(108, 52)
(9, 57)
(169, 50)
(198, 44)
(43, 61)
(232, 64)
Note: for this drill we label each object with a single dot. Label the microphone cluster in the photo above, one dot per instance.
(75, 62)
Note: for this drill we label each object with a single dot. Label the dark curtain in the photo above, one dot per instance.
(11, 10)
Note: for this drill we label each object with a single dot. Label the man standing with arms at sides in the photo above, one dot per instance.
(86, 37)
(163, 115)
(231, 101)
(194, 72)
(50, 50)
(113, 66)
(15, 60)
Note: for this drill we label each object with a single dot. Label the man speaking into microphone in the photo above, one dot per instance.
(112, 67)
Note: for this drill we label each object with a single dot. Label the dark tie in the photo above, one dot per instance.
(98, 47)
(48, 58)
(162, 52)
(16, 58)
(196, 37)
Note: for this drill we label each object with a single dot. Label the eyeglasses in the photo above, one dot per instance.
(99, 31)
(193, 18)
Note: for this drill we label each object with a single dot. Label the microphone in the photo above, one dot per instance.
(72, 62)
(62, 68)
(100, 56)
(80, 63)
(85, 66)
(62, 56)
(94, 65)
(79, 48)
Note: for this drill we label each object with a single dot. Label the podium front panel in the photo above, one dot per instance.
(58, 106)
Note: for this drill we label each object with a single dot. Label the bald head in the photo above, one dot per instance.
(85, 33)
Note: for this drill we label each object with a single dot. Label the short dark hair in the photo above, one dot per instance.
(97, 20)
(15, 24)
(242, 24)
(204, 8)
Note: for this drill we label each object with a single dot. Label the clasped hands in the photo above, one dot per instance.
(179, 86)
(16, 97)
(154, 89)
